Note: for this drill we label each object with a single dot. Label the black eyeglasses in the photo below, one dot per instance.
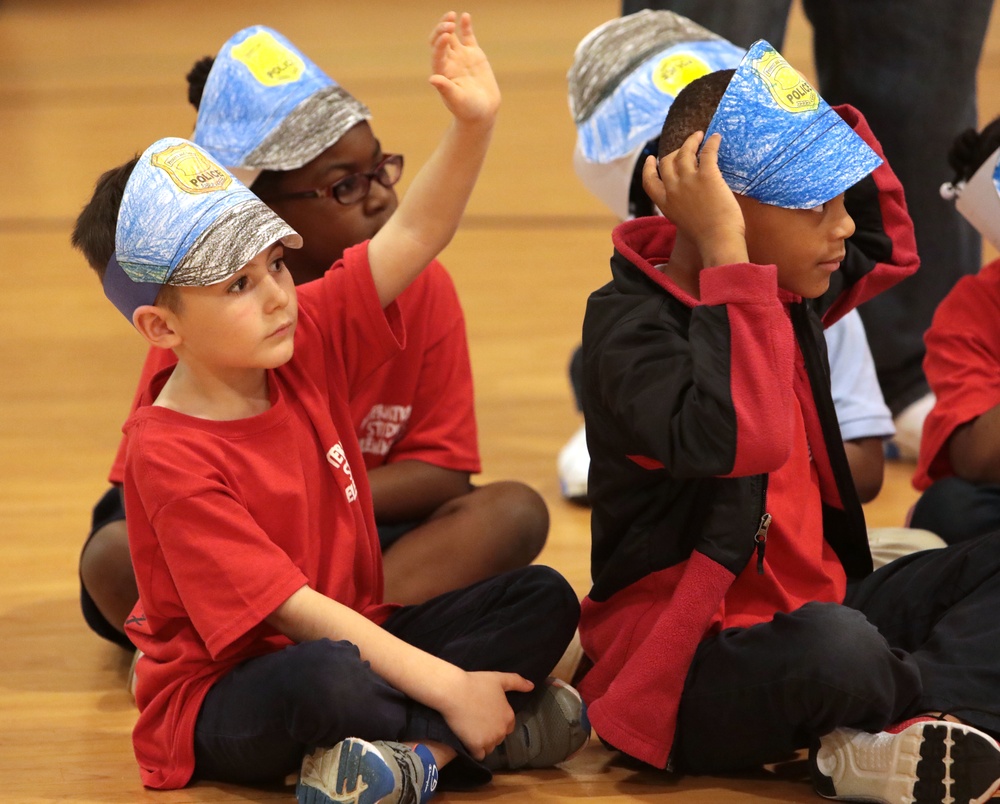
(354, 188)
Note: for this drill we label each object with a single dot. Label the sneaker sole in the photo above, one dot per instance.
(934, 762)
(359, 773)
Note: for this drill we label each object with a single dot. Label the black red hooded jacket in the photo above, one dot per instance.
(687, 408)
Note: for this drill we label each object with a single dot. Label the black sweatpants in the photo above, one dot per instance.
(258, 721)
(957, 509)
(921, 634)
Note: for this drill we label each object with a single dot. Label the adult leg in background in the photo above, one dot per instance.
(742, 23)
(910, 67)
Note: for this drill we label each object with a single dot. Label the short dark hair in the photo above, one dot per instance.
(94, 232)
(692, 110)
(196, 78)
(971, 148)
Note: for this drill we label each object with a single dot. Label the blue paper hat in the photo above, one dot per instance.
(185, 220)
(266, 106)
(782, 144)
(625, 75)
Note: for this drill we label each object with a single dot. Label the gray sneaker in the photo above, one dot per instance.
(550, 729)
(355, 771)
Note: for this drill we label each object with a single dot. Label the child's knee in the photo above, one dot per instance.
(525, 513)
(547, 592)
(841, 650)
(106, 568)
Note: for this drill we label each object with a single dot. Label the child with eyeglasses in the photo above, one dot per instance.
(306, 147)
(266, 644)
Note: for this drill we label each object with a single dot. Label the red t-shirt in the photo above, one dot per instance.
(800, 566)
(418, 405)
(228, 519)
(962, 366)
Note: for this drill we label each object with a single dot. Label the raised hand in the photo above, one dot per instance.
(690, 191)
(461, 71)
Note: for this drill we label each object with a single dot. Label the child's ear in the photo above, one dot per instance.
(155, 324)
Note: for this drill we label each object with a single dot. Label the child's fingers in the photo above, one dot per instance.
(465, 34)
(686, 157)
(445, 25)
(651, 181)
(512, 682)
(710, 150)
(443, 85)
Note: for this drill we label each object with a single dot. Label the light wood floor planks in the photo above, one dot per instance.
(85, 85)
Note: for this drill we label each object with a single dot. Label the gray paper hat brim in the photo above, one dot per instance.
(238, 235)
(317, 123)
(613, 50)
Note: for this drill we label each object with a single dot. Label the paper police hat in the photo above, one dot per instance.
(625, 75)
(185, 220)
(266, 106)
(782, 144)
(979, 199)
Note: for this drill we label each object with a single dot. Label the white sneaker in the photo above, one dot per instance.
(574, 466)
(925, 761)
(910, 427)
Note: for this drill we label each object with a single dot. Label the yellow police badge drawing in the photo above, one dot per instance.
(270, 62)
(190, 169)
(787, 86)
(674, 72)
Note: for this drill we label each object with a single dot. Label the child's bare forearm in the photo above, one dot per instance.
(429, 214)
(308, 615)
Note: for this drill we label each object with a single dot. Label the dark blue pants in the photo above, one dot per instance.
(910, 67)
(921, 634)
(258, 721)
(957, 510)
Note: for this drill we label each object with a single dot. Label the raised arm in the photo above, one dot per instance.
(429, 213)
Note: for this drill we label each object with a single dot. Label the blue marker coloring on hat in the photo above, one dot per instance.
(782, 144)
(185, 220)
(266, 106)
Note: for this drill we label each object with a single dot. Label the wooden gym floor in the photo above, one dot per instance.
(86, 85)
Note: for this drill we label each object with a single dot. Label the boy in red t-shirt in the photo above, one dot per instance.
(323, 170)
(260, 616)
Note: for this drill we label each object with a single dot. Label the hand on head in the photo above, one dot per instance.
(690, 191)
(461, 72)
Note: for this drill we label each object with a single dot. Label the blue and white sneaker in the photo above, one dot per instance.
(550, 729)
(355, 771)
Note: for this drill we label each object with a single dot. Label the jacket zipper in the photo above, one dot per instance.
(760, 539)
